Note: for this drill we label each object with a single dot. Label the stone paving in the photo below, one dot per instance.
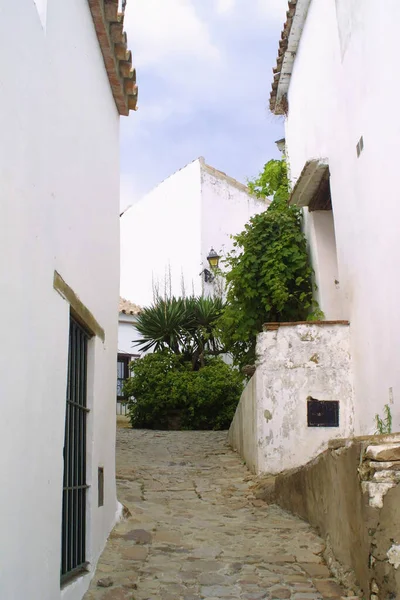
(197, 531)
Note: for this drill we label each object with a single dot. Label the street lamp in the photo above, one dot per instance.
(281, 145)
(213, 261)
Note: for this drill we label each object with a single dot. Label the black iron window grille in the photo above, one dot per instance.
(73, 549)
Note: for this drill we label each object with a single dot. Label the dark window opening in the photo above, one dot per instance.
(122, 374)
(73, 543)
(100, 486)
(322, 413)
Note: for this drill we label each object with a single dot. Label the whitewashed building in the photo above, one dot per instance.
(333, 82)
(65, 78)
(127, 350)
(167, 236)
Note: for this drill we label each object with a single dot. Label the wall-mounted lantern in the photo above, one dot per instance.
(213, 261)
(281, 145)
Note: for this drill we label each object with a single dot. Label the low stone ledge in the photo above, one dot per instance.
(383, 452)
(275, 325)
(372, 440)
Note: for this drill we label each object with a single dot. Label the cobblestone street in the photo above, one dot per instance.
(197, 531)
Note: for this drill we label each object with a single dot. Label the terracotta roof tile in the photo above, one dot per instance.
(128, 308)
(288, 44)
(109, 26)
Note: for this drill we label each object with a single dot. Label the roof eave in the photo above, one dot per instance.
(109, 26)
(288, 46)
(308, 182)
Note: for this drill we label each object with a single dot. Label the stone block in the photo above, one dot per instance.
(328, 588)
(219, 591)
(384, 452)
(387, 475)
(315, 570)
(393, 465)
(105, 582)
(134, 553)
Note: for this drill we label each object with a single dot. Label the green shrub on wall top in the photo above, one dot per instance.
(167, 394)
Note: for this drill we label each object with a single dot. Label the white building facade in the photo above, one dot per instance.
(333, 82)
(167, 236)
(127, 350)
(59, 281)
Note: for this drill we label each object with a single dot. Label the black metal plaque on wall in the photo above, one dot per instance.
(322, 413)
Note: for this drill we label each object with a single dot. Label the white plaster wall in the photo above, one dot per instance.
(176, 225)
(41, 6)
(59, 190)
(128, 334)
(320, 232)
(162, 231)
(270, 426)
(225, 209)
(339, 91)
(243, 431)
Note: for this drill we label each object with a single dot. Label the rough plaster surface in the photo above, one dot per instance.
(376, 492)
(270, 425)
(394, 556)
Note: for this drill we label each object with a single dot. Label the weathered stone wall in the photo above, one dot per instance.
(355, 502)
(296, 361)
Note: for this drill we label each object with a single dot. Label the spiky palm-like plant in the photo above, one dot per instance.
(187, 326)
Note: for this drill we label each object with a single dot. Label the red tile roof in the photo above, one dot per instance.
(128, 308)
(109, 26)
(288, 45)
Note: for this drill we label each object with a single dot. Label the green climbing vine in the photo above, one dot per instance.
(268, 274)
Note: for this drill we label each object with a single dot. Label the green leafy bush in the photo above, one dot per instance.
(167, 394)
(269, 275)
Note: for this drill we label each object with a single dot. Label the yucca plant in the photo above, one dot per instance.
(187, 326)
(162, 325)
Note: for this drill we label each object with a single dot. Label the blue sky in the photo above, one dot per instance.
(204, 70)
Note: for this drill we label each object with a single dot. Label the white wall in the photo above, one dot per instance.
(163, 229)
(59, 188)
(339, 91)
(320, 232)
(127, 334)
(225, 209)
(177, 224)
(270, 425)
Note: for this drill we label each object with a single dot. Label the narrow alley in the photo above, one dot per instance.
(197, 531)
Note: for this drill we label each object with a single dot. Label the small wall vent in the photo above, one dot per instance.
(100, 485)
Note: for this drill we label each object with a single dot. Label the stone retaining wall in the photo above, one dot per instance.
(351, 494)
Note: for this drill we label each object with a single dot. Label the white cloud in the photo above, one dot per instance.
(274, 10)
(225, 6)
(162, 29)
